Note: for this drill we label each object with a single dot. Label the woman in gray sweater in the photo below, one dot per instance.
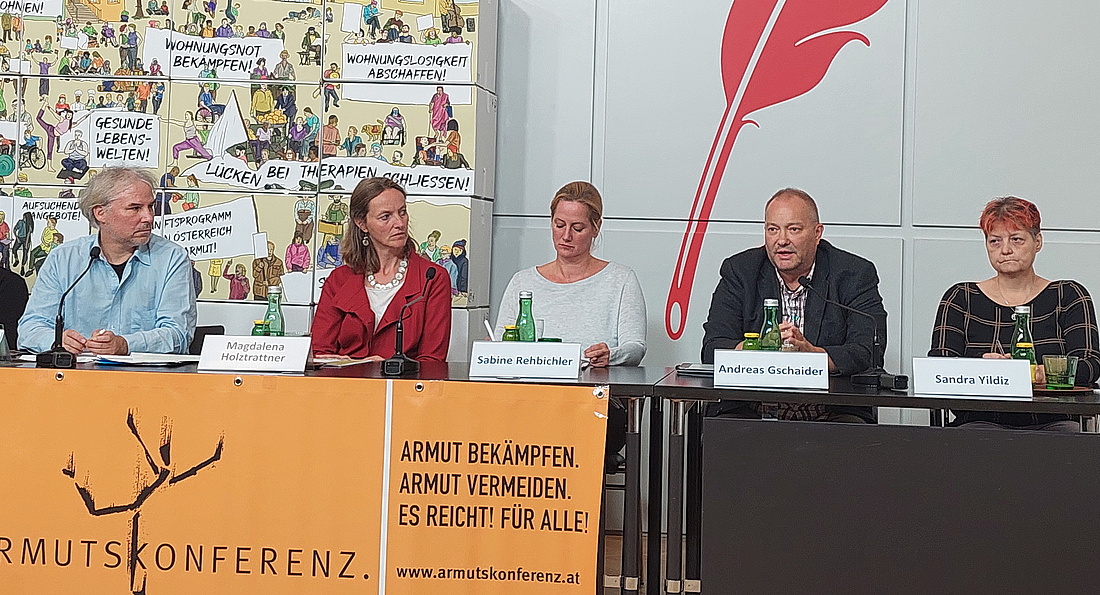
(581, 298)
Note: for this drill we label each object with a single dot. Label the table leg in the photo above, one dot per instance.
(601, 545)
(694, 500)
(674, 561)
(632, 510)
(656, 483)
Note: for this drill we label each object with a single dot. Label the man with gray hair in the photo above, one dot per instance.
(137, 294)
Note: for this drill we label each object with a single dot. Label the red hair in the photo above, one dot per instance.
(1016, 212)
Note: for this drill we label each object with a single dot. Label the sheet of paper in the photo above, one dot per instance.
(259, 245)
(352, 19)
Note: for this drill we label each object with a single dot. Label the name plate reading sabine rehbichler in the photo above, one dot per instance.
(976, 377)
(222, 353)
(770, 369)
(517, 359)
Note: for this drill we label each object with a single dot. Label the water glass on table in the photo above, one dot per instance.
(1061, 370)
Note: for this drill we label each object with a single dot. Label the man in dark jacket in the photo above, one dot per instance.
(793, 248)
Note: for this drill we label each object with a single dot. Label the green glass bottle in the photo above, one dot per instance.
(751, 342)
(770, 338)
(1022, 345)
(274, 316)
(525, 322)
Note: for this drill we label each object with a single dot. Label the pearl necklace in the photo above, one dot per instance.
(404, 264)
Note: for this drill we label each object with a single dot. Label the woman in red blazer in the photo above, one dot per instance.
(361, 300)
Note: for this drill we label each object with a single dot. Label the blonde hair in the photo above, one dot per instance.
(584, 193)
(356, 248)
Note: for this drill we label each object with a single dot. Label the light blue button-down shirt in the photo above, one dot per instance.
(152, 307)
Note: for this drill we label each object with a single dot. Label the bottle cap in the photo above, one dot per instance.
(258, 322)
(525, 295)
(1023, 309)
(752, 335)
(1025, 345)
(509, 327)
(274, 289)
(768, 303)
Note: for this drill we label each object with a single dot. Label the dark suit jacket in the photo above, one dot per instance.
(344, 322)
(13, 301)
(737, 307)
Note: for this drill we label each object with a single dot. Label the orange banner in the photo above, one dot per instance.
(124, 482)
(510, 475)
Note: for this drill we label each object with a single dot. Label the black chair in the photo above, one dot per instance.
(201, 333)
(13, 300)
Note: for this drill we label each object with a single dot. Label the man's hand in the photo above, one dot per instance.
(791, 334)
(73, 342)
(105, 342)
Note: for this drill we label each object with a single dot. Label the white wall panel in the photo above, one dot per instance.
(665, 100)
(1003, 106)
(544, 74)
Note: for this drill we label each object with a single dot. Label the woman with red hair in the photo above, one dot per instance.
(976, 319)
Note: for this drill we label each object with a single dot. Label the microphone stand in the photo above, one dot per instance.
(400, 364)
(876, 376)
(57, 356)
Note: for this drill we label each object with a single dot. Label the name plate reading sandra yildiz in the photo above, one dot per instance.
(976, 377)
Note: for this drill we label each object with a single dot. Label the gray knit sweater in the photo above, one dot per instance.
(607, 307)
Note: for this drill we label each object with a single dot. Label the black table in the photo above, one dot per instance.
(686, 451)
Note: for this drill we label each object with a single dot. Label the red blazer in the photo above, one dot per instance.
(344, 322)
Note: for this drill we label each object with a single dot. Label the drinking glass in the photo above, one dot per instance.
(1061, 370)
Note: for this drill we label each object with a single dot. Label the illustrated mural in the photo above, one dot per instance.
(246, 114)
(772, 51)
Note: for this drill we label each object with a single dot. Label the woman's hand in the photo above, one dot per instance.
(599, 355)
(996, 356)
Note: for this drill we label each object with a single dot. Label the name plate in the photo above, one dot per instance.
(222, 353)
(770, 369)
(518, 359)
(972, 377)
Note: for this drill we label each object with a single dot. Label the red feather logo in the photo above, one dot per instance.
(772, 51)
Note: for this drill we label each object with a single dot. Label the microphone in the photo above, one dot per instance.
(401, 364)
(57, 357)
(875, 376)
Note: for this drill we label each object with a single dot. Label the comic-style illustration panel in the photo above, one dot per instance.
(6, 221)
(259, 40)
(441, 228)
(242, 244)
(402, 41)
(228, 40)
(36, 220)
(423, 137)
(69, 127)
(253, 137)
(254, 120)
